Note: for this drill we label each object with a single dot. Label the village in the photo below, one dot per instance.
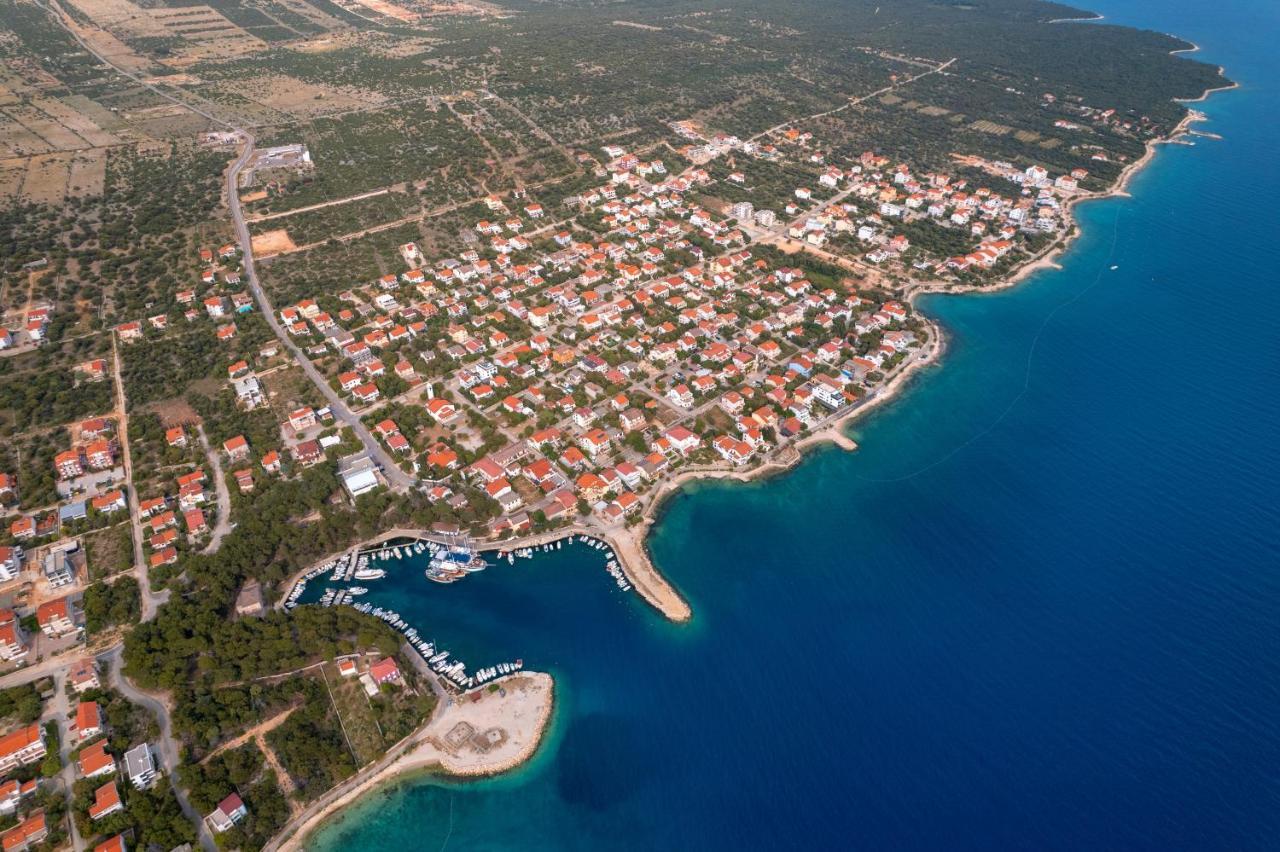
(504, 327)
(568, 361)
(562, 366)
(559, 370)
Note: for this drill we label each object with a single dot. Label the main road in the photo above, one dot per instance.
(394, 475)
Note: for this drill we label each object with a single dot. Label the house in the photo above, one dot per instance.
(84, 675)
(56, 617)
(12, 793)
(441, 410)
(112, 501)
(69, 464)
(21, 747)
(681, 396)
(88, 720)
(308, 453)
(229, 812)
(28, 833)
(13, 639)
(591, 487)
(74, 511)
(95, 427)
(114, 844)
(303, 418)
(367, 392)
(10, 562)
(236, 448)
(631, 420)
(347, 667)
(140, 766)
(106, 801)
(194, 521)
(249, 600)
(682, 440)
(385, 671)
(95, 761)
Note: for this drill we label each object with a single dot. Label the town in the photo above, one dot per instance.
(287, 285)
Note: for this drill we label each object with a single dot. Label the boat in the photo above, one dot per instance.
(370, 573)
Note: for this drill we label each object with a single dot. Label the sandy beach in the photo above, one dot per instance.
(519, 707)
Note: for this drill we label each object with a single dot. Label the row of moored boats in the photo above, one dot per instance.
(449, 562)
(612, 566)
(438, 660)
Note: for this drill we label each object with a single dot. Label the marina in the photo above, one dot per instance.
(448, 560)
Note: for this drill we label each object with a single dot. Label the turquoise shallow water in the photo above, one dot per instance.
(1039, 609)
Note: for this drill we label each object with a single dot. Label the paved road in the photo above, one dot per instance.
(166, 747)
(59, 709)
(47, 666)
(223, 524)
(150, 600)
(398, 478)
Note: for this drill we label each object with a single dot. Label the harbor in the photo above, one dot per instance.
(348, 578)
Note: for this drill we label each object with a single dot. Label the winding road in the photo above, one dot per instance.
(222, 525)
(166, 747)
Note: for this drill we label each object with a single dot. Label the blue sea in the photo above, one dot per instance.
(1039, 609)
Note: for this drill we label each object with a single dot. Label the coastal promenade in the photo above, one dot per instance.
(484, 733)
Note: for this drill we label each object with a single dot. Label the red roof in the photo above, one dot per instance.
(384, 669)
(88, 716)
(15, 741)
(115, 844)
(94, 758)
(105, 798)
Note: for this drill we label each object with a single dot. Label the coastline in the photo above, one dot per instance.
(629, 543)
(419, 754)
(525, 702)
(834, 430)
